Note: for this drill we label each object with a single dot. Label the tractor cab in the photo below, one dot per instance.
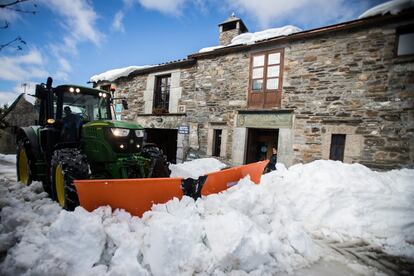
(63, 111)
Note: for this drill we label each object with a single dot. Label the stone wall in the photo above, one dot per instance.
(133, 90)
(220, 89)
(351, 83)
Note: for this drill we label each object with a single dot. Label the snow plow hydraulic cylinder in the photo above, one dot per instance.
(138, 195)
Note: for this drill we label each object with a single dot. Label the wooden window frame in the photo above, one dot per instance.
(265, 67)
(156, 108)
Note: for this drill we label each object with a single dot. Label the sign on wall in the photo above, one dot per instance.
(183, 129)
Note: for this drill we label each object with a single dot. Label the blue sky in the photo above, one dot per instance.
(71, 40)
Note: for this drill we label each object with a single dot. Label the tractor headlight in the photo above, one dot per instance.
(139, 133)
(120, 132)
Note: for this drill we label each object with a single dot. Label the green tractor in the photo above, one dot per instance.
(77, 138)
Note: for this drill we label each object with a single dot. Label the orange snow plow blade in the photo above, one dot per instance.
(134, 195)
(222, 180)
(138, 195)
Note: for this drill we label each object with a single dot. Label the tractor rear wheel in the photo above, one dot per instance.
(24, 174)
(66, 166)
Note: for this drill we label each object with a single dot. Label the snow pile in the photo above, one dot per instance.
(9, 158)
(344, 202)
(114, 74)
(196, 168)
(8, 166)
(251, 38)
(392, 7)
(257, 229)
(245, 230)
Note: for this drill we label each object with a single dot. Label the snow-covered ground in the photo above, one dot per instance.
(278, 227)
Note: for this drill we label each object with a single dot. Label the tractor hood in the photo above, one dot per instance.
(113, 123)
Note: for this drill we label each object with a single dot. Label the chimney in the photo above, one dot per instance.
(231, 28)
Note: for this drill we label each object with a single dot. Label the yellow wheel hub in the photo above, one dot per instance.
(60, 185)
(23, 167)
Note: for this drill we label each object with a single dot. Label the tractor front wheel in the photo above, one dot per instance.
(66, 166)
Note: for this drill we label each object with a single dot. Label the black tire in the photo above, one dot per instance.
(159, 166)
(67, 165)
(24, 163)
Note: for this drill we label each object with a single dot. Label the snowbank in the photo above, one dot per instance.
(392, 7)
(251, 38)
(196, 168)
(8, 166)
(114, 74)
(258, 229)
(345, 202)
(9, 158)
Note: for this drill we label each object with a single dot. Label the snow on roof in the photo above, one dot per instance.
(113, 74)
(251, 38)
(392, 7)
(209, 49)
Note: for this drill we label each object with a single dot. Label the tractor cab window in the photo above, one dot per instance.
(89, 107)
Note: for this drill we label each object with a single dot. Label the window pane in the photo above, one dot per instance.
(258, 61)
(405, 44)
(274, 58)
(273, 71)
(258, 73)
(272, 84)
(257, 85)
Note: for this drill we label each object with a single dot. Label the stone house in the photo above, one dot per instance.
(342, 92)
(20, 113)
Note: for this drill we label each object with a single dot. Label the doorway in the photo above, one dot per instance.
(260, 143)
(165, 139)
(337, 147)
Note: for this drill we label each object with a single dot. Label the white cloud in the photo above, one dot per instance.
(64, 69)
(117, 24)
(22, 67)
(172, 7)
(316, 12)
(168, 7)
(8, 97)
(78, 20)
(8, 15)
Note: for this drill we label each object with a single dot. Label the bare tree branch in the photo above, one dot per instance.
(18, 40)
(12, 3)
(9, 6)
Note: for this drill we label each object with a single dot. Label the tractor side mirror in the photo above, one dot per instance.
(125, 104)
